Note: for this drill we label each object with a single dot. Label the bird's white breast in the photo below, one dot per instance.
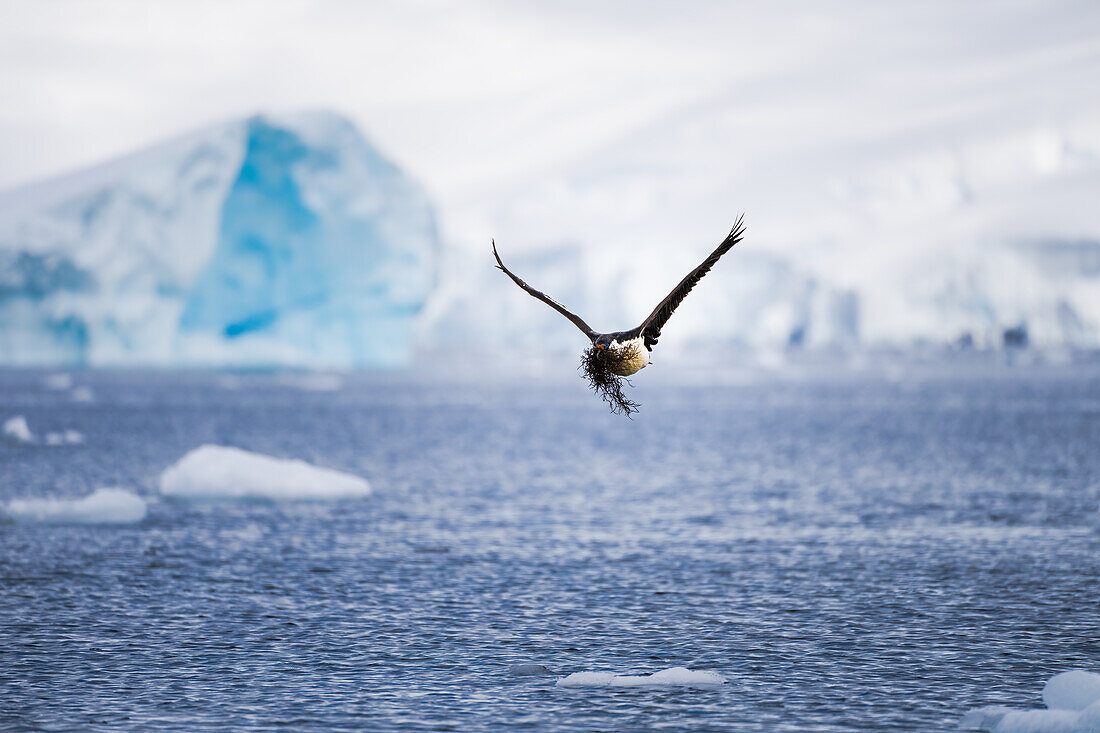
(639, 356)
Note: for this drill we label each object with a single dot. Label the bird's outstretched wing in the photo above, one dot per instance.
(577, 320)
(651, 326)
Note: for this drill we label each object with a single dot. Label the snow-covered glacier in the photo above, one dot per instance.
(273, 240)
(290, 241)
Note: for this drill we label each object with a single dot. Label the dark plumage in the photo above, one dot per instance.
(620, 354)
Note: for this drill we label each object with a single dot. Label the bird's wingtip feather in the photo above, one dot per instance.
(738, 228)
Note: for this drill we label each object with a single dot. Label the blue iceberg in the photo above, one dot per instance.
(283, 241)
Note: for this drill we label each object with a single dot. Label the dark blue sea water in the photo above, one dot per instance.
(851, 553)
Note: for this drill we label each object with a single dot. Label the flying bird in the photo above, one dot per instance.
(620, 354)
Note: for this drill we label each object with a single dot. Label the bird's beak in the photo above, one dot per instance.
(600, 346)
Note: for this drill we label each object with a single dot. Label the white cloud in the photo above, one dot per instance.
(633, 122)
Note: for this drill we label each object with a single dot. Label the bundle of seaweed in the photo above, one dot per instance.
(598, 366)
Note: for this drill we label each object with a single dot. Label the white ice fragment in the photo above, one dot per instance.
(16, 429)
(103, 506)
(1073, 690)
(1039, 721)
(672, 677)
(66, 437)
(587, 679)
(985, 718)
(219, 472)
(1073, 702)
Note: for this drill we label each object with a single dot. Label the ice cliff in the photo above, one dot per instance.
(267, 241)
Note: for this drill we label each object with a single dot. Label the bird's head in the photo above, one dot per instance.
(602, 342)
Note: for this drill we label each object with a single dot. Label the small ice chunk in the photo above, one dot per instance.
(103, 506)
(985, 718)
(587, 679)
(219, 472)
(66, 437)
(672, 677)
(17, 430)
(1073, 699)
(1039, 721)
(58, 381)
(1073, 690)
(680, 676)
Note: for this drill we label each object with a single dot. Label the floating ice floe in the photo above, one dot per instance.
(65, 437)
(672, 677)
(1073, 706)
(103, 506)
(17, 430)
(219, 472)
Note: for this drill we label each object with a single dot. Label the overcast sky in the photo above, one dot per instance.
(580, 120)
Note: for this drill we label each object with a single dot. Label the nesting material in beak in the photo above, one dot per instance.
(598, 366)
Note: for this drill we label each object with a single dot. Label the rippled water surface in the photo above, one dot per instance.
(849, 553)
